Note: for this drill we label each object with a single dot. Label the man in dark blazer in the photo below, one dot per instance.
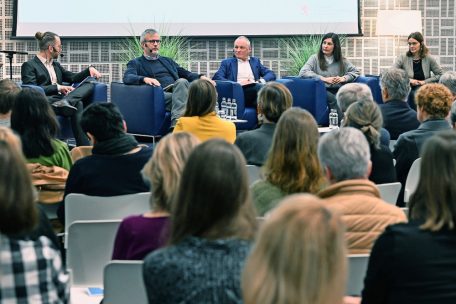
(246, 70)
(156, 70)
(44, 71)
(398, 117)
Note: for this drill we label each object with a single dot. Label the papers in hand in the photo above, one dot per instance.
(88, 79)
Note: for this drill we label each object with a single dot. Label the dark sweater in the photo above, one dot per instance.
(411, 265)
(382, 165)
(196, 271)
(255, 144)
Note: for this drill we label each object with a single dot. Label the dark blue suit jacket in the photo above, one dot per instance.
(398, 118)
(229, 70)
(137, 70)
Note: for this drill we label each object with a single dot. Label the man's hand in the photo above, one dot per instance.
(65, 89)
(151, 81)
(208, 79)
(94, 72)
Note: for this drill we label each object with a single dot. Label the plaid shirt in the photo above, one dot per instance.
(31, 272)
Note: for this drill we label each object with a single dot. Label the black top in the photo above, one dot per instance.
(382, 165)
(255, 144)
(398, 117)
(418, 73)
(410, 265)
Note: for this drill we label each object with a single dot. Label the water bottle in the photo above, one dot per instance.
(234, 109)
(228, 108)
(333, 119)
(223, 111)
(216, 107)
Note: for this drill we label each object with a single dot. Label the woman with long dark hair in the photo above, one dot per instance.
(331, 67)
(416, 262)
(212, 226)
(34, 120)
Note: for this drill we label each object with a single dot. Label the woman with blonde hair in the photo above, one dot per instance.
(292, 165)
(138, 235)
(299, 256)
(273, 99)
(367, 117)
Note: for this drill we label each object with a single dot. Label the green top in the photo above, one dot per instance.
(266, 196)
(60, 158)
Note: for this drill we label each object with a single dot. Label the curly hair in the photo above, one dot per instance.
(435, 99)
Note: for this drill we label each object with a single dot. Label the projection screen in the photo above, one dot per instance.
(108, 18)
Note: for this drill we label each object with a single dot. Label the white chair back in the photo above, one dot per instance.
(123, 283)
(254, 173)
(90, 245)
(389, 192)
(81, 207)
(412, 179)
(357, 267)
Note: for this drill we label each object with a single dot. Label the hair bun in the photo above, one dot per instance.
(39, 35)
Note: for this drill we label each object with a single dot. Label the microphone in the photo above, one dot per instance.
(61, 55)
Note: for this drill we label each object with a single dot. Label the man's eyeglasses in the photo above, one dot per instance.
(152, 41)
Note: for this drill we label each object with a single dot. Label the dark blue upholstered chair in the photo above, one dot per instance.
(309, 94)
(143, 108)
(231, 89)
(100, 94)
(373, 82)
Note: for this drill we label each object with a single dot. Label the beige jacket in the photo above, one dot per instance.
(428, 63)
(365, 215)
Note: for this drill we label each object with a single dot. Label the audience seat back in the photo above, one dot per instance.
(123, 282)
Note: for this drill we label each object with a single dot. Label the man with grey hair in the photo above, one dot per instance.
(345, 157)
(161, 71)
(448, 79)
(398, 117)
(246, 70)
(353, 92)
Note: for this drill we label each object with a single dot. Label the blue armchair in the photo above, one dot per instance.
(143, 108)
(373, 82)
(231, 89)
(100, 94)
(309, 94)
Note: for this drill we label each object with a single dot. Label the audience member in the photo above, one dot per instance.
(448, 79)
(353, 92)
(345, 156)
(44, 227)
(8, 92)
(331, 67)
(212, 226)
(245, 70)
(433, 106)
(299, 256)
(114, 168)
(366, 117)
(292, 165)
(398, 117)
(44, 71)
(200, 118)
(416, 262)
(273, 99)
(418, 64)
(156, 70)
(140, 234)
(35, 122)
(31, 270)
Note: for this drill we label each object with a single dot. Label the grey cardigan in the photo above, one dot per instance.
(312, 70)
(428, 63)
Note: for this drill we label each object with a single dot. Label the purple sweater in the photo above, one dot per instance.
(138, 235)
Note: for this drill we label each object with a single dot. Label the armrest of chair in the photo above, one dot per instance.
(142, 106)
(231, 89)
(100, 92)
(373, 82)
(310, 94)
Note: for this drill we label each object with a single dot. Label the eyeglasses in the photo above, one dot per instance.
(152, 41)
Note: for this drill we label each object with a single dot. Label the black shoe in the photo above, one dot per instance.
(62, 107)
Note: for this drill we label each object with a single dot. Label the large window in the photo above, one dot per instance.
(120, 18)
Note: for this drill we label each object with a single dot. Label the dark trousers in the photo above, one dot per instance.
(332, 101)
(78, 98)
(251, 93)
